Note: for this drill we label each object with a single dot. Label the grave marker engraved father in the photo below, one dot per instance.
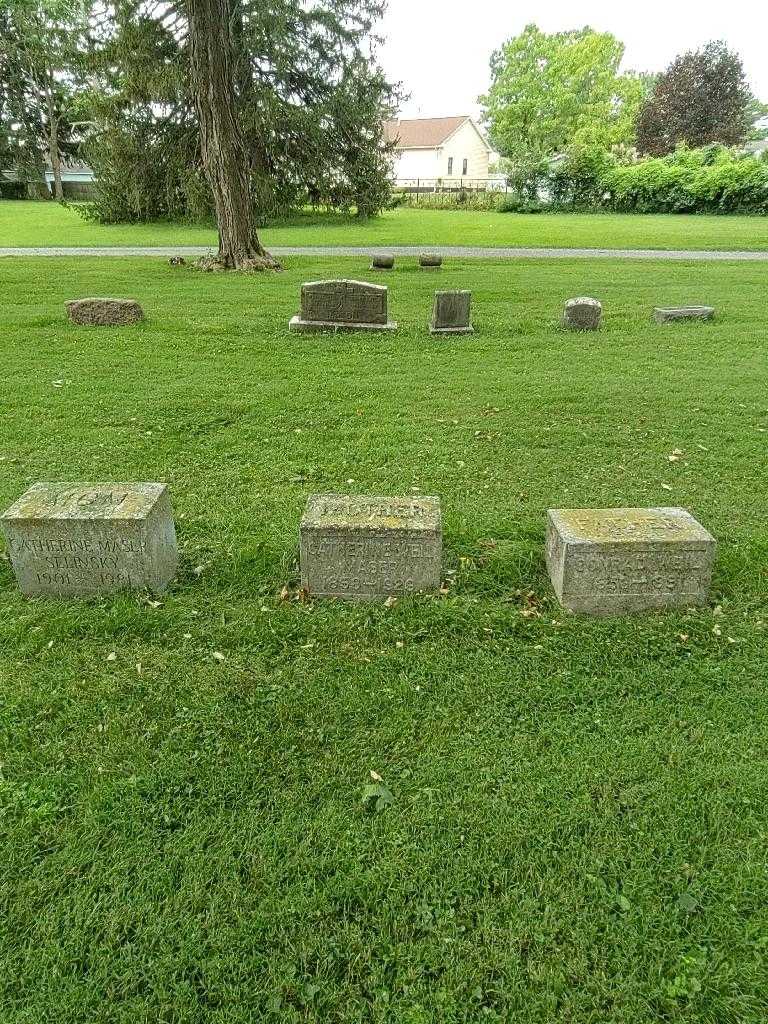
(362, 548)
(616, 560)
(78, 539)
(342, 306)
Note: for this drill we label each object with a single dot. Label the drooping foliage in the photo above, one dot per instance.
(310, 103)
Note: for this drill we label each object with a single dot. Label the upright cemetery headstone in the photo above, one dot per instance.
(382, 262)
(616, 560)
(582, 314)
(430, 261)
(676, 314)
(362, 548)
(78, 539)
(342, 306)
(104, 312)
(451, 313)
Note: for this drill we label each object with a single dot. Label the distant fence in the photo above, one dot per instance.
(432, 185)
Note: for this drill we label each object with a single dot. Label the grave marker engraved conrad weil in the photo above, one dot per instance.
(361, 548)
(78, 539)
(616, 560)
(342, 306)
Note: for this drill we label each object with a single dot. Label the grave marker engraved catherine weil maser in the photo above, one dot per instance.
(616, 560)
(78, 539)
(342, 306)
(362, 548)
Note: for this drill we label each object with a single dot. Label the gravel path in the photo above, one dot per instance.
(463, 252)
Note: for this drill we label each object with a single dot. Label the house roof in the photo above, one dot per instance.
(423, 132)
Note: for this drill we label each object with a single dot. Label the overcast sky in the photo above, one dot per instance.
(439, 49)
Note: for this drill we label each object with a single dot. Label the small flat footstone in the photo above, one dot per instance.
(451, 313)
(676, 314)
(342, 306)
(382, 262)
(80, 539)
(618, 560)
(362, 548)
(430, 261)
(582, 314)
(104, 312)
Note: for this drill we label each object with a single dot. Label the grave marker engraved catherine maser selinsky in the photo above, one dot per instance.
(611, 561)
(78, 539)
(362, 548)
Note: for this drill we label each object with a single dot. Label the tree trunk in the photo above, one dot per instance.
(53, 142)
(213, 69)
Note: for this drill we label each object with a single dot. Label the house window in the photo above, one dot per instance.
(464, 166)
(450, 166)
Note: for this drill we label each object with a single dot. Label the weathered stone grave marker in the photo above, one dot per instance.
(104, 312)
(676, 314)
(362, 548)
(616, 560)
(582, 314)
(342, 306)
(451, 313)
(381, 262)
(430, 261)
(78, 539)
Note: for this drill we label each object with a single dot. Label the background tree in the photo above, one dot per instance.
(41, 43)
(701, 98)
(549, 92)
(306, 98)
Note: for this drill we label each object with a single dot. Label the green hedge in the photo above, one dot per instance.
(709, 180)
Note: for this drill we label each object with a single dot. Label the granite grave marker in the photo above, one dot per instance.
(582, 314)
(78, 539)
(682, 313)
(451, 313)
(362, 548)
(104, 312)
(617, 560)
(342, 306)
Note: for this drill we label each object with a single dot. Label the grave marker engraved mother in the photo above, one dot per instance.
(362, 548)
(342, 306)
(79, 539)
(616, 560)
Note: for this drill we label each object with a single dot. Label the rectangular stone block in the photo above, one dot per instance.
(80, 539)
(618, 560)
(342, 305)
(451, 313)
(362, 548)
(668, 316)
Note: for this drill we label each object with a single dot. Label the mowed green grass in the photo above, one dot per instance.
(48, 224)
(578, 827)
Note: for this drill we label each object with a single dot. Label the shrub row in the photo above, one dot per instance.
(709, 180)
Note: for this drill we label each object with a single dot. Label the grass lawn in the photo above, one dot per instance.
(579, 823)
(40, 224)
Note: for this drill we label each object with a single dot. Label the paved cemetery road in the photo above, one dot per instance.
(463, 252)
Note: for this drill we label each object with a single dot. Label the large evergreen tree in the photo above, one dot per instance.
(701, 98)
(245, 106)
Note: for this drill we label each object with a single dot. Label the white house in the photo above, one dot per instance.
(451, 149)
